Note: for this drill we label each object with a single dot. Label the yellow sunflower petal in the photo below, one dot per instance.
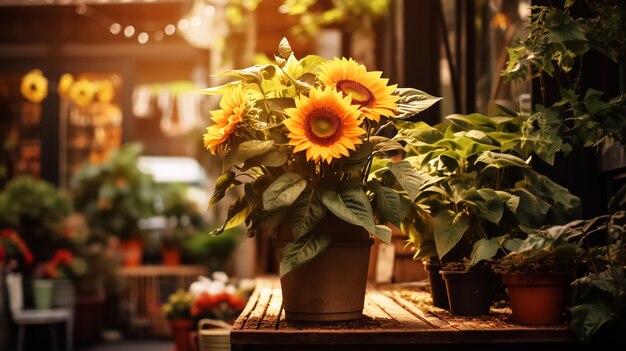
(233, 108)
(325, 124)
(368, 90)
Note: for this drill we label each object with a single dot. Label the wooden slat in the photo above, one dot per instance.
(406, 319)
(429, 318)
(260, 284)
(256, 316)
(374, 311)
(272, 314)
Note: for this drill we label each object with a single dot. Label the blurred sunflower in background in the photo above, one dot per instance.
(34, 86)
(82, 92)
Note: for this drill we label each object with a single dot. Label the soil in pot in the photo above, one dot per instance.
(469, 293)
(537, 299)
(330, 287)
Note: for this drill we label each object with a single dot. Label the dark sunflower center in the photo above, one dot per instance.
(359, 93)
(323, 126)
(33, 87)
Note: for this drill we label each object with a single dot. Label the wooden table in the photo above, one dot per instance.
(398, 317)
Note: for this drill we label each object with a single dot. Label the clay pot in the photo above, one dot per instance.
(537, 299)
(330, 287)
(132, 252)
(181, 332)
(171, 256)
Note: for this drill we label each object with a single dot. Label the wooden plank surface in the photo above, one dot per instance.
(393, 314)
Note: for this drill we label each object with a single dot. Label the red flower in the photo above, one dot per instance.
(62, 257)
(236, 302)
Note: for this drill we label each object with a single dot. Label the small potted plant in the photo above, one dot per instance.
(53, 285)
(114, 196)
(300, 136)
(537, 275)
(177, 309)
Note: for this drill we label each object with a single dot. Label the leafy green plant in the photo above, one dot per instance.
(555, 46)
(547, 250)
(477, 184)
(350, 14)
(213, 251)
(36, 209)
(183, 217)
(115, 194)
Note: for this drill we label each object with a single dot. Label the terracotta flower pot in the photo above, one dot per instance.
(132, 252)
(330, 287)
(171, 256)
(181, 332)
(537, 299)
(469, 293)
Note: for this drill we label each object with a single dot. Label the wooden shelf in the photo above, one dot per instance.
(396, 316)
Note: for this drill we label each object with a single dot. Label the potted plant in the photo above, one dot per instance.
(300, 136)
(479, 188)
(114, 196)
(178, 312)
(182, 220)
(37, 211)
(53, 285)
(537, 275)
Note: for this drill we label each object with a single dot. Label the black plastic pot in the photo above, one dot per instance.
(469, 293)
(438, 291)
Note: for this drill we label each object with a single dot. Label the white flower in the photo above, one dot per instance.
(220, 276)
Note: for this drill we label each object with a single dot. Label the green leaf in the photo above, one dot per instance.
(385, 144)
(449, 228)
(284, 49)
(353, 206)
(306, 213)
(418, 131)
(388, 204)
(494, 206)
(484, 249)
(357, 158)
(220, 90)
(254, 74)
(246, 150)
(586, 319)
(237, 213)
(498, 160)
(408, 177)
(472, 121)
(413, 101)
(511, 201)
(531, 210)
(273, 158)
(280, 104)
(222, 184)
(302, 251)
(283, 191)
(513, 245)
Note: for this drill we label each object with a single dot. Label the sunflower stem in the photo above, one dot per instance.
(265, 105)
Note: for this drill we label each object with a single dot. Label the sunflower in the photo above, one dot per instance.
(82, 92)
(325, 124)
(104, 91)
(65, 83)
(233, 108)
(34, 86)
(368, 90)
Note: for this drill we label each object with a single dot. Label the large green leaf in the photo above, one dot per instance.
(246, 150)
(472, 121)
(283, 191)
(275, 157)
(413, 101)
(498, 160)
(419, 131)
(484, 249)
(587, 319)
(353, 206)
(223, 183)
(511, 201)
(388, 203)
(531, 210)
(494, 206)
(302, 251)
(449, 228)
(306, 213)
(408, 177)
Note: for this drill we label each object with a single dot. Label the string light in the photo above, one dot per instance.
(129, 31)
(143, 37)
